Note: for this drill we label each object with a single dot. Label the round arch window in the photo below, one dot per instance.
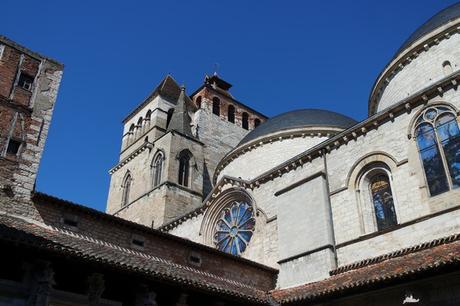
(234, 228)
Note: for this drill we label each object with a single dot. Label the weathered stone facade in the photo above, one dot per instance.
(28, 88)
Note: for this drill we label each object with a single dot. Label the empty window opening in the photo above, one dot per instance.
(25, 81)
(16, 136)
(231, 114)
(256, 122)
(216, 106)
(245, 121)
(198, 102)
(13, 147)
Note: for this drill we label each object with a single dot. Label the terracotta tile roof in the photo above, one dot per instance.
(34, 234)
(383, 270)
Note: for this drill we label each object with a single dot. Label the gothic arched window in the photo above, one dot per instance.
(216, 106)
(256, 122)
(382, 200)
(438, 139)
(198, 102)
(234, 228)
(245, 121)
(157, 169)
(231, 114)
(126, 186)
(184, 168)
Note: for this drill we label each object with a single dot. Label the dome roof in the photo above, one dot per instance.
(446, 15)
(298, 119)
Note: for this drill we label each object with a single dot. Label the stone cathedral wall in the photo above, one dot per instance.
(430, 62)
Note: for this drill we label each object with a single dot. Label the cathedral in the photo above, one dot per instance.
(213, 203)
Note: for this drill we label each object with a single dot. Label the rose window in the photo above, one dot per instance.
(234, 229)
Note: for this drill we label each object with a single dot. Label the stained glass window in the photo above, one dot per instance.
(438, 139)
(382, 198)
(235, 228)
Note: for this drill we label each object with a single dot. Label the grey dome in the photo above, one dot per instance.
(298, 119)
(446, 15)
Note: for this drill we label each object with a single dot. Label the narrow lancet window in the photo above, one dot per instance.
(184, 168)
(216, 106)
(157, 169)
(126, 190)
(245, 121)
(231, 114)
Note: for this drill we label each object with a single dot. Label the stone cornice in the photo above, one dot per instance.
(307, 131)
(145, 146)
(407, 56)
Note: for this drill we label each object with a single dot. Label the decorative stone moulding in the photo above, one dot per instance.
(239, 151)
(406, 58)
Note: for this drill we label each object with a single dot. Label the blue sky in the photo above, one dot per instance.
(279, 56)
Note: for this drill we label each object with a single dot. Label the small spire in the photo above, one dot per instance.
(180, 120)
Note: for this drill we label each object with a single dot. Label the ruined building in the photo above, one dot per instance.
(213, 203)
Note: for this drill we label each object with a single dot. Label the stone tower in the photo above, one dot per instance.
(29, 84)
(171, 146)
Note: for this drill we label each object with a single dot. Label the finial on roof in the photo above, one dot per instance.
(216, 68)
(182, 87)
(180, 120)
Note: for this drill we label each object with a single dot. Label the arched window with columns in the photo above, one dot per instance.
(438, 140)
(157, 169)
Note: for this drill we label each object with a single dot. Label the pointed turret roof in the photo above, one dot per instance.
(180, 120)
(168, 89)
